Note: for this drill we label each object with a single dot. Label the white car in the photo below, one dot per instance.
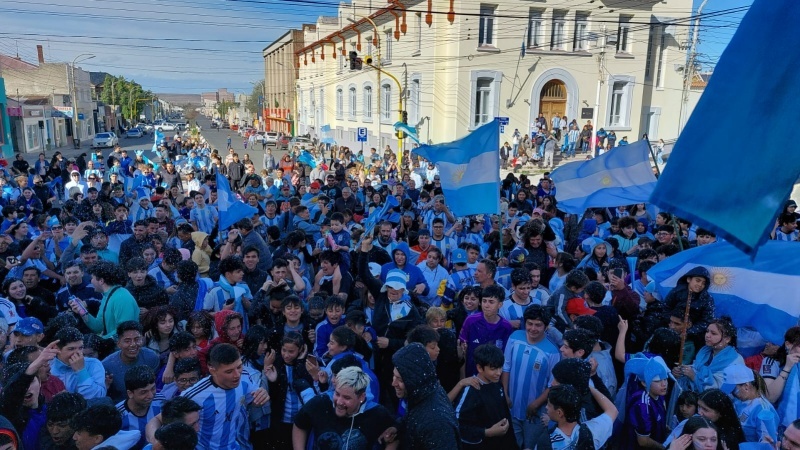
(102, 140)
(134, 133)
(271, 137)
(146, 129)
(166, 126)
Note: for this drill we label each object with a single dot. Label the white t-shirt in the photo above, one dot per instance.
(600, 427)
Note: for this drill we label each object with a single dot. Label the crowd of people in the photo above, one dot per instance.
(336, 317)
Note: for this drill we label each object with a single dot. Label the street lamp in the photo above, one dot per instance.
(75, 126)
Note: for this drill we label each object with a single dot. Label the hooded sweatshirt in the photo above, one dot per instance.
(701, 309)
(149, 295)
(415, 275)
(221, 320)
(430, 421)
(200, 256)
(8, 430)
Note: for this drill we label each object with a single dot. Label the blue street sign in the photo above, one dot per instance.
(503, 120)
(362, 134)
(80, 116)
(502, 129)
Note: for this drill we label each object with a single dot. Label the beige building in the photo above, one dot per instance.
(461, 65)
(280, 80)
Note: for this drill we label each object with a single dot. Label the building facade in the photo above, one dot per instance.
(621, 64)
(6, 141)
(280, 81)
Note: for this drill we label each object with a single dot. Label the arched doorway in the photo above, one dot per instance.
(553, 99)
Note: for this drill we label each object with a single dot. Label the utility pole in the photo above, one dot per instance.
(688, 69)
(596, 113)
(379, 88)
(75, 122)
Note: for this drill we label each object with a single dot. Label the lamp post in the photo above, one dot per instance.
(75, 126)
(378, 54)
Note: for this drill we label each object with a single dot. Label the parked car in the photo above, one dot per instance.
(181, 126)
(283, 142)
(102, 140)
(302, 142)
(134, 132)
(271, 137)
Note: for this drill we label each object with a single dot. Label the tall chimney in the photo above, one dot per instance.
(40, 52)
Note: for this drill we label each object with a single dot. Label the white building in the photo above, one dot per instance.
(461, 65)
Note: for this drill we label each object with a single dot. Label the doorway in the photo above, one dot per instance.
(553, 100)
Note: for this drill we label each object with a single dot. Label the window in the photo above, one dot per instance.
(485, 96)
(482, 101)
(341, 63)
(418, 23)
(321, 106)
(339, 103)
(535, 29)
(660, 63)
(369, 47)
(352, 97)
(413, 100)
(580, 41)
(558, 34)
(368, 103)
(486, 26)
(301, 110)
(386, 112)
(648, 70)
(387, 50)
(623, 34)
(312, 103)
(620, 98)
(32, 135)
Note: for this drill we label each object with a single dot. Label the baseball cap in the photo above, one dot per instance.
(315, 185)
(736, 374)
(29, 326)
(459, 256)
(578, 306)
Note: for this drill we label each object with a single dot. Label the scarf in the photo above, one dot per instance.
(710, 375)
(236, 293)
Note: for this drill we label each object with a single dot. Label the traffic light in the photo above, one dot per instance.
(400, 134)
(404, 116)
(355, 61)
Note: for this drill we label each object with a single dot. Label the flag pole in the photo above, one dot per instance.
(685, 326)
(652, 154)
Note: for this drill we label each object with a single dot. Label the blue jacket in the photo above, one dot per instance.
(89, 382)
(415, 275)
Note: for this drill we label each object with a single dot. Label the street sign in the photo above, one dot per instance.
(80, 116)
(503, 120)
(362, 134)
(502, 128)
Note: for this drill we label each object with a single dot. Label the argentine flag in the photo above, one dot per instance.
(470, 170)
(230, 208)
(622, 176)
(763, 293)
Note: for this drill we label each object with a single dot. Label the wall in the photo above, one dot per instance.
(6, 141)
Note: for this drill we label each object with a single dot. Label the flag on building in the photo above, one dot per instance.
(759, 293)
(469, 169)
(230, 208)
(622, 176)
(710, 179)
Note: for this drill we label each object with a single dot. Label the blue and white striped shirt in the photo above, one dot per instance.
(132, 422)
(529, 367)
(205, 218)
(161, 277)
(223, 417)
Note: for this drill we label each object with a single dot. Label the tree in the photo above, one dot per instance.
(125, 93)
(256, 98)
(224, 106)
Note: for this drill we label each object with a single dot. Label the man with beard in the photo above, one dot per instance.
(77, 285)
(385, 239)
(346, 421)
(134, 245)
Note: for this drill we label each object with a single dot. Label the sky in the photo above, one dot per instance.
(192, 46)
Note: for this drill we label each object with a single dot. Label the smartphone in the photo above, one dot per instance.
(12, 260)
(618, 273)
(230, 301)
(312, 358)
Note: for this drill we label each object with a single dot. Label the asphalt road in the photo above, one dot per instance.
(219, 139)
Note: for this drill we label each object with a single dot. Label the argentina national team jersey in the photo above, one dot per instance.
(223, 417)
(132, 422)
(529, 367)
(205, 218)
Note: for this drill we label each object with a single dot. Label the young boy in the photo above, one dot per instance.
(574, 283)
(646, 411)
(334, 313)
(142, 403)
(483, 415)
(529, 360)
(519, 299)
(339, 240)
(563, 408)
(788, 229)
(487, 327)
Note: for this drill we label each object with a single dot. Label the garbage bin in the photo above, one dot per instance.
(76, 143)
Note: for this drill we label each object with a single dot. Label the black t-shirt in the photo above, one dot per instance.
(333, 432)
(344, 287)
